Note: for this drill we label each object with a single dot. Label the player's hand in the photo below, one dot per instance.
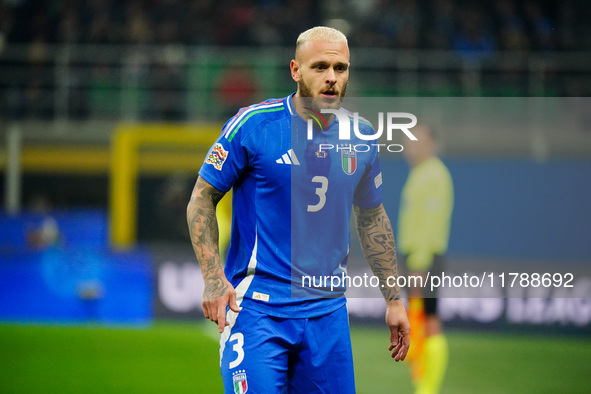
(399, 326)
(218, 294)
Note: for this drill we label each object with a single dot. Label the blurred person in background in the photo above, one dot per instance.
(423, 233)
(236, 87)
(474, 40)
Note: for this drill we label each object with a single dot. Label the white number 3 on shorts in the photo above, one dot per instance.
(237, 347)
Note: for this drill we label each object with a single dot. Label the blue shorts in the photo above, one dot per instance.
(266, 354)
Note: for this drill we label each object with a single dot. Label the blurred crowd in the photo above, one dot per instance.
(202, 22)
(441, 24)
(162, 87)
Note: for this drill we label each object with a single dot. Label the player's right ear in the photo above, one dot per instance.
(294, 66)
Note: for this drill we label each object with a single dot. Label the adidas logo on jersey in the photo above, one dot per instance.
(289, 158)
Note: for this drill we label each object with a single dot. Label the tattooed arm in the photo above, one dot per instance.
(377, 242)
(203, 229)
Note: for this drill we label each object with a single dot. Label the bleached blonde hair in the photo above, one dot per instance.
(320, 33)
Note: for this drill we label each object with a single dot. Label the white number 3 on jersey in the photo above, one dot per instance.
(320, 192)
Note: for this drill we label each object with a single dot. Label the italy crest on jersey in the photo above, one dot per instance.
(240, 385)
(348, 159)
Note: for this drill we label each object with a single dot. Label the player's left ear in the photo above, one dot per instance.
(294, 66)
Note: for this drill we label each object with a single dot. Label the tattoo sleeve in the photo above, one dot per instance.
(377, 242)
(204, 233)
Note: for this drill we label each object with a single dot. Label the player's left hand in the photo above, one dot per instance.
(399, 326)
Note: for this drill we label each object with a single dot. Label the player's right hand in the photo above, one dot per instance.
(217, 295)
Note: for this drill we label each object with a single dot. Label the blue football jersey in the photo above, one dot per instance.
(292, 204)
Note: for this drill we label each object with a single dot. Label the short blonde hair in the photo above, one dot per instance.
(320, 33)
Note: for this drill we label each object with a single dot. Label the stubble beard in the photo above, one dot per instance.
(318, 103)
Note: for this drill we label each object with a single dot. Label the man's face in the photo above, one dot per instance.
(417, 151)
(321, 69)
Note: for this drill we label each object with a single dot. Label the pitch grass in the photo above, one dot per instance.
(183, 358)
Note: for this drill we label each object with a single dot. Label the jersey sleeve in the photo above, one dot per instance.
(225, 160)
(368, 193)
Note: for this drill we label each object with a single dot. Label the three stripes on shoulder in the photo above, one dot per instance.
(289, 158)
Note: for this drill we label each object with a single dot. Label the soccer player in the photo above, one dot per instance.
(291, 207)
(425, 215)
